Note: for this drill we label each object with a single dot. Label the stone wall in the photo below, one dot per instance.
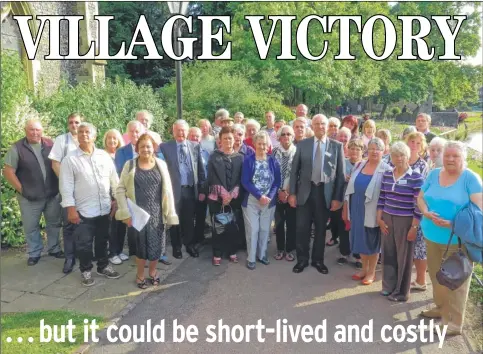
(46, 75)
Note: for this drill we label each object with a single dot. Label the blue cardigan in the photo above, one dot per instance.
(247, 179)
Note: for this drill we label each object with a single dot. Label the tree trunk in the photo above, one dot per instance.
(383, 112)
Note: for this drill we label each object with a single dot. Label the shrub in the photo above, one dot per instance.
(395, 111)
(15, 111)
(109, 105)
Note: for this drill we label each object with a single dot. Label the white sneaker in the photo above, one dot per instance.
(115, 260)
(123, 257)
(417, 286)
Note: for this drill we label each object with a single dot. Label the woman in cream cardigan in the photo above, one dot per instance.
(360, 208)
(145, 181)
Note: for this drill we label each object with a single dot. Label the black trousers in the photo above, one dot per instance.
(117, 236)
(185, 208)
(314, 210)
(200, 217)
(240, 221)
(92, 230)
(337, 228)
(68, 236)
(226, 243)
(285, 215)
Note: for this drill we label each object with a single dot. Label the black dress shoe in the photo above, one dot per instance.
(192, 251)
(299, 267)
(33, 261)
(68, 265)
(321, 268)
(59, 254)
(177, 253)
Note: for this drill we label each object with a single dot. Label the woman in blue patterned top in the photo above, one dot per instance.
(261, 180)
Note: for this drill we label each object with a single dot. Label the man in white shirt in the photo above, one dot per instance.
(146, 119)
(63, 145)
(87, 179)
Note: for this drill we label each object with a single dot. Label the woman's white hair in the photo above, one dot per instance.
(239, 127)
(400, 148)
(285, 127)
(438, 141)
(261, 135)
(346, 131)
(253, 122)
(335, 120)
(452, 144)
(378, 142)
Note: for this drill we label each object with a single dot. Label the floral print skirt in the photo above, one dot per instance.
(420, 246)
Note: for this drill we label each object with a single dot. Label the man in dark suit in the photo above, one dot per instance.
(185, 167)
(316, 188)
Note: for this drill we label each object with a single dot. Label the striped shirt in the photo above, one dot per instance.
(398, 197)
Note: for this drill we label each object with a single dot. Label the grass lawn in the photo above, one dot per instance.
(27, 325)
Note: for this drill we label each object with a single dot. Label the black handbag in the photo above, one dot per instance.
(224, 221)
(455, 269)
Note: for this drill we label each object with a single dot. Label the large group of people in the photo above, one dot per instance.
(384, 203)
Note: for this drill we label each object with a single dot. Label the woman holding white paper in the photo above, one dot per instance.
(145, 181)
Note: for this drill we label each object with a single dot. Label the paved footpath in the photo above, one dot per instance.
(197, 293)
(45, 287)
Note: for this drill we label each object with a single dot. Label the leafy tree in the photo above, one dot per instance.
(155, 73)
(213, 85)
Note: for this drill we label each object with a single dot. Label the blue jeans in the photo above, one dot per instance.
(31, 212)
(257, 228)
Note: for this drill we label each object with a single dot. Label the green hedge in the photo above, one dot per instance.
(111, 105)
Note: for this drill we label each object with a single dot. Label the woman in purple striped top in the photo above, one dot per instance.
(398, 217)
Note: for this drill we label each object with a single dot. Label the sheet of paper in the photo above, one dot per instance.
(139, 216)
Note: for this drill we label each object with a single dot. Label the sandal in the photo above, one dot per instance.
(368, 281)
(279, 255)
(397, 298)
(290, 257)
(155, 280)
(331, 243)
(358, 277)
(141, 285)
